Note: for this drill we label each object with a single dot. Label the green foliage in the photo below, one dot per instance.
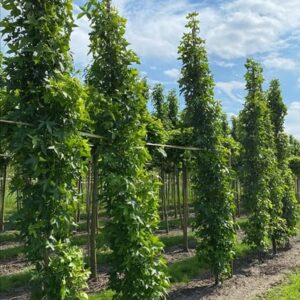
(212, 179)
(255, 138)
(156, 135)
(290, 209)
(294, 164)
(64, 275)
(137, 268)
(278, 109)
(284, 185)
(47, 154)
(173, 108)
(2, 75)
(294, 146)
(161, 107)
(3, 146)
(260, 174)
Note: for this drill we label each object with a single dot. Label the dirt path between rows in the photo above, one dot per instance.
(251, 278)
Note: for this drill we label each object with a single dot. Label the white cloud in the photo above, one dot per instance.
(224, 64)
(172, 73)
(230, 89)
(248, 27)
(292, 124)
(80, 39)
(234, 29)
(274, 61)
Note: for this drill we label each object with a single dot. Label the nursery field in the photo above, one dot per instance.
(116, 186)
(252, 279)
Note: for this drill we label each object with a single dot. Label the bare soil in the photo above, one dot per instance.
(12, 266)
(251, 278)
(9, 245)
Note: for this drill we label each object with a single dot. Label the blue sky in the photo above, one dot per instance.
(267, 30)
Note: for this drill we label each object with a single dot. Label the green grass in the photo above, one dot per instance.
(289, 290)
(10, 205)
(173, 224)
(11, 252)
(176, 240)
(187, 269)
(105, 295)
(13, 281)
(9, 236)
(242, 223)
(83, 240)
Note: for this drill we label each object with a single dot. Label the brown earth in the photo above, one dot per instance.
(251, 278)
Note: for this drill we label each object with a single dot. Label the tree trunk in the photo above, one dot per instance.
(185, 207)
(178, 195)
(93, 256)
(88, 206)
(274, 246)
(79, 199)
(2, 198)
(164, 202)
(174, 192)
(161, 196)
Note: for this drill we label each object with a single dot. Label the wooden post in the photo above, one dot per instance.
(178, 195)
(165, 202)
(174, 191)
(185, 207)
(79, 199)
(93, 250)
(2, 197)
(88, 205)
(161, 196)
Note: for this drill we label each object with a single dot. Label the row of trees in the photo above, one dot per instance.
(256, 152)
(268, 182)
(48, 152)
(50, 155)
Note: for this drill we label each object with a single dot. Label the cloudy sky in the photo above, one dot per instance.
(267, 30)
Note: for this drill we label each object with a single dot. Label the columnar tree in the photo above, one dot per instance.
(3, 159)
(160, 105)
(47, 151)
(214, 201)
(259, 168)
(173, 108)
(294, 146)
(278, 111)
(128, 190)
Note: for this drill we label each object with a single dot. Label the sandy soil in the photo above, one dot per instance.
(12, 266)
(251, 278)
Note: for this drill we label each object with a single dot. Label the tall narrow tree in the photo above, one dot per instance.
(3, 158)
(259, 168)
(214, 201)
(278, 112)
(131, 198)
(159, 103)
(173, 108)
(47, 152)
